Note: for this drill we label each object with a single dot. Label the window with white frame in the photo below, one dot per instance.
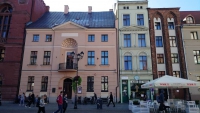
(126, 20)
(127, 40)
(170, 25)
(143, 62)
(128, 62)
(30, 84)
(33, 57)
(104, 84)
(157, 26)
(172, 41)
(189, 20)
(160, 58)
(194, 35)
(141, 40)
(91, 56)
(47, 55)
(140, 19)
(104, 57)
(44, 83)
(36, 38)
(159, 42)
(196, 54)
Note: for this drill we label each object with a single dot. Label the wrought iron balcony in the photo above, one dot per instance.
(67, 67)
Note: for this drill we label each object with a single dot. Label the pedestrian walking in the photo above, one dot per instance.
(29, 101)
(41, 106)
(60, 103)
(65, 103)
(95, 98)
(111, 100)
(33, 99)
(22, 98)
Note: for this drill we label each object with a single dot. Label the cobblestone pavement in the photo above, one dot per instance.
(50, 108)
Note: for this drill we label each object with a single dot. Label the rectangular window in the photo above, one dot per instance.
(170, 25)
(176, 74)
(157, 25)
(2, 54)
(104, 38)
(104, 57)
(174, 57)
(91, 56)
(127, 40)
(159, 42)
(48, 38)
(161, 73)
(141, 40)
(196, 56)
(194, 35)
(30, 83)
(104, 84)
(160, 58)
(126, 20)
(140, 20)
(33, 57)
(44, 83)
(128, 62)
(36, 38)
(90, 84)
(91, 38)
(47, 55)
(172, 41)
(143, 62)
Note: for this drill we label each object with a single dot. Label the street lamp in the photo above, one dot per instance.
(77, 57)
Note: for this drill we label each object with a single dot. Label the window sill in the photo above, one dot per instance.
(90, 65)
(31, 64)
(43, 91)
(104, 91)
(29, 90)
(175, 63)
(90, 91)
(104, 65)
(48, 41)
(128, 70)
(45, 65)
(35, 41)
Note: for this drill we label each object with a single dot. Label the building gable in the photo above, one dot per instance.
(69, 25)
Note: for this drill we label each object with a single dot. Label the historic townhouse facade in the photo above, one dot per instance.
(191, 35)
(14, 14)
(166, 45)
(135, 66)
(49, 66)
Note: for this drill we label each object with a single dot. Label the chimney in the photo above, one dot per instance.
(89, 9)
(66, 10)
(110, 9)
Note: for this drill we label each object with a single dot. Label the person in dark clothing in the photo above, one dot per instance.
(65, 103)
(95, 97)
(33, 99)
(29, 100)
(161, 100)
(111, 100)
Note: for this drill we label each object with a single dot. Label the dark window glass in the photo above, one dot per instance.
(44, 83)
(91, 38)
(104, 57)
(36, 38)
(33, 57)
(157, 24)
(141, 40)
(170, 25)
(127, 40)
(196, 54)
(126, 20)
(90, 84)
(48, 38)
(104, 38)
(47, 55)
(143, 62)
(104, 84)
(174, 57)
(159, 42)
(140, 19)
(128, 62)
(2, 54)
(160, 58)
(91, 56)
(30, 83)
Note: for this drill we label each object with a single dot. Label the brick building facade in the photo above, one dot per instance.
(14, 15)
(166, 45)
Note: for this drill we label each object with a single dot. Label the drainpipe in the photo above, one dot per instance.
(117, 50)
(51, 62)
(185, 90)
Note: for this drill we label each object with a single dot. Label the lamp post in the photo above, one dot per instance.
(77, 57)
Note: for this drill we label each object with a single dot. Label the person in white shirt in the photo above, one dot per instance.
(42, 105)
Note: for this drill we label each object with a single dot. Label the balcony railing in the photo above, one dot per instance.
(67, 67)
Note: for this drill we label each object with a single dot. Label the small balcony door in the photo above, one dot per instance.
(69, 61)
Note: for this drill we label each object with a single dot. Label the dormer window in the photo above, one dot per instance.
(189, 20)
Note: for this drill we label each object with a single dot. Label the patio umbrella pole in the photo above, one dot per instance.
(168, 92)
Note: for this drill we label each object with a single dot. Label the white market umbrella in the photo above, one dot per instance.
(170, 82)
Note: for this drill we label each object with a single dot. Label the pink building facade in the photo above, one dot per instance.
(48, 66)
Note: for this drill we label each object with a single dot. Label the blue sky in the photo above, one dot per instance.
(105, 5)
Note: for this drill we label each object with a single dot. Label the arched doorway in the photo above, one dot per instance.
(67, 88)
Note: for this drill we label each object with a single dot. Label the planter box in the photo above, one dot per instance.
(135, 108)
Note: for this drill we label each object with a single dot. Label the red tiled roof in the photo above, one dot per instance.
(195, 14)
